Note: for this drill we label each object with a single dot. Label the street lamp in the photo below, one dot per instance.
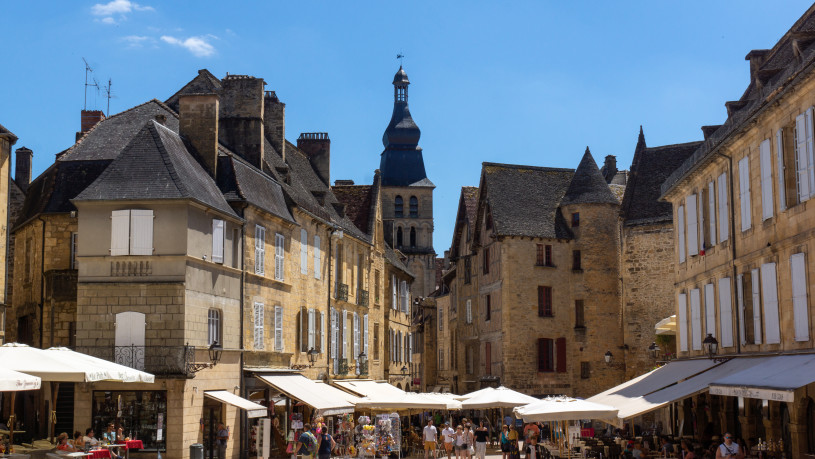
(654, 350)
(215, 351)
(711, 346)
(608, 356)
(312, 356)
(404, 370)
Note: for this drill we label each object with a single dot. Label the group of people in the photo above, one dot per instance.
(467, 442)
(85, 442)
(315, 441)
(729, 448)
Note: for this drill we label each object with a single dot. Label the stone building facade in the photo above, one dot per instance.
(7, 140)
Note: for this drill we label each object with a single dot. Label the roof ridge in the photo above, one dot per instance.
(521, 166)
(684, 144)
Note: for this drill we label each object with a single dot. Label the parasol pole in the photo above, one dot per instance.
(12, 420)
(52, 419)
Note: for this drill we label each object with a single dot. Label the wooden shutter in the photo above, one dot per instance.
(810, 151)
(693, 236)
(696, 320)
(365, 335)
(393, 286)
(321, 333)
(740, 304)
(560, 344)
(120, 232)
(278, 328)
(312, 329)
(769, 284)
(711, 211)
(278, 256)
(302, 330)
(410, 347)
(766, 163)
(141, 232)
(303, 251)
(333, 333)
(800, 309)
(344, 353)
(356, 335)
(724, 222)
(755, 285)
(744, 194)
(710, 310)
(781, 170)
(258, 325)
(682, 321)
(680, 226)
(316, 256)
(725, 313)
(801, 157)
(217, 241)
(469, 312)
(260, 249)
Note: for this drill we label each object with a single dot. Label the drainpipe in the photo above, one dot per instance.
(242, 382)
(331, 229)
(42, 283)
(732, 216)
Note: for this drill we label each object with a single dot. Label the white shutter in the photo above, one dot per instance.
(410, 347)
(711, 210)
(312, 328)
(393, 284)
(701, 208)
(724, 222)
(810, 151)
(801, 157)
(333, 333)
(779, 158)
(259, 318)
(710, 310)
(278, 328)
(120, 232)
(740, 305)
(469, 312)
(756, 282)
(769, 286)
(278, 256)
(680, 226)
(322, 332)
(356, 335)
(316, 256)
(303, 251)
(344, 353)
(682, 321)
(141, 232)
(725, 313)
(744, 193)
(800, 309)
(260, 250)
(766, 163)
(696, 320)
(217, 241)
(693, 236)
(365, 335)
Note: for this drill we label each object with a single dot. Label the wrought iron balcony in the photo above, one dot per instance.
(362, 297)
(363, 367)
(342, 292)
(166, 361)
(343, 367)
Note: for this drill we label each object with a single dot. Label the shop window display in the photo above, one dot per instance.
(137, 412)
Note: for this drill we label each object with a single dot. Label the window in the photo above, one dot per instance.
(414, 207)
(579, 317)
(333, 336)
(377, 290)
(260, 250)
(766, 167)
(344, 328)
(576, 266)
(680, 226)
(744, 193)
(486, 260)
(546, 357)
(322, 333)
(398, 210)
(258, 325)
(441, 359)
(488, 308)
(308, 318)
(468, 312)
(575, 219)
(278, 256)
(303, 251)
(799, 296)
(412, 237)
(749, 302)
(316, 256)
(131, 232)
(710, 311)
(441, 319)
(403, 297)
(217, 240)
(544, 255)
(723, 218)
(585, 370)
(805, 163)
(769, 290)
(278, 328)
(467, 270)
(73, 250)
(544, 301)
(356, 335)
(488, 358)
(399, 237)
(710, 202)
(693, 235)
(725, 313)
(213, 327)
(376, 341)
(365, 335)
(781, 170)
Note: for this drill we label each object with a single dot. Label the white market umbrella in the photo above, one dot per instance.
(501, 397)
(13, 381)
(116, 372)
(452, 403)
(474, 394)
(406, 401)
(564, 409)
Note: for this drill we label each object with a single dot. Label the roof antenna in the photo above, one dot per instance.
(88, 70)
(400, 56)
(108, 94)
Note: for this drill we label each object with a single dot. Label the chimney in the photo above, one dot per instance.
(274, 122)
(756, 58)
(317, 146)
(609, 169)
(240, 122)
(198, 125)
(22, 168)
(343, 182)
(89, 119)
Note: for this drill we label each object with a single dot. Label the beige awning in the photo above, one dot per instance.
(666, 326)
(297, 386)
(253, 410)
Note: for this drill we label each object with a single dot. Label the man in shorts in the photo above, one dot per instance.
(449, 435)
(429, 436)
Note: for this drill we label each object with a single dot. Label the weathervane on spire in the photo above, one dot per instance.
(400, 56)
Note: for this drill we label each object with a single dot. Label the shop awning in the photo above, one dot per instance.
(369, 388)
(253, 410)
(666, 326)
(309, 392)
(775, 379)
(12, 381)
(336, 393)
(405, 402)
(564, 409)
(452, 402)
(502, 397)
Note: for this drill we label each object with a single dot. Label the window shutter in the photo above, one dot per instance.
(800, 309)
(740, 306)
(680, 226)
(321, 333)
(278, 328)
(469, 312)
(696, 320)
(756, 292)
(120, 232)
(779, 157)
(769, 285)
(560, 344)
(333, 333)
(344, 353)
(217, 241)
(693, 236)
(710, 310)
(356, 335)
(312, 329)
(541, 354)
(394, 303)
(744, 193)
(766, 163)
(802, 158)
(700, 207)
(711, 208)
(259, 317)
(365, 335)
(682, 320)
(260, 249)
(316, 256)
(278, 256)
(725, 313)
(810, 152)
(303, 251)
(141, 232)
(724, 222)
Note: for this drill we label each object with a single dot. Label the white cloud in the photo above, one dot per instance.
(107, 20)
(138, 41)
(106, 11)
(198, 46)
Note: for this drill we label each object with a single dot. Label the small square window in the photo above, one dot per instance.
(575, 219)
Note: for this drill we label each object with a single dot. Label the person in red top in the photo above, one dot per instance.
(64, 445)
(531, 430)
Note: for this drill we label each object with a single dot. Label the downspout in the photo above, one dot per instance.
(732, 216)
(42, 282)
(242, 382)
(331, 229)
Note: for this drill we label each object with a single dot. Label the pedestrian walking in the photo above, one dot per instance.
(221, 438)
(449, 437)
(430, 436)
(481, 436)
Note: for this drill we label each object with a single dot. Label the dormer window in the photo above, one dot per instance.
(398, 207)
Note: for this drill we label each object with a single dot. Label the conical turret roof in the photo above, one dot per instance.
(588, 185)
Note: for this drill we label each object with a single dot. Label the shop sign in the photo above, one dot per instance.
(754, 392)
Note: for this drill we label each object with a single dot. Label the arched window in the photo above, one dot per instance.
(398, 207)
(214, 327)
(413, 237)
(398, 237)
(414, 207)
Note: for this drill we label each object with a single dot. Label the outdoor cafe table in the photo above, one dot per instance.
(101, 453)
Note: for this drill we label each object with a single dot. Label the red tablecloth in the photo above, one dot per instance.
(587, 432)
(134, 444)
(100, 454)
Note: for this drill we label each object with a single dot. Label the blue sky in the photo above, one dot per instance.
(530, 82)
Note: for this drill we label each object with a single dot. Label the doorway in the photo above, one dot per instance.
(212, 416)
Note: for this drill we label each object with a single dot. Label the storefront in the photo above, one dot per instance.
(139, 413)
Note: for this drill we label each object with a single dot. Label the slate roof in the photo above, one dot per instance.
(588, 185)
(393, 258)
(524, 200)
(467, 210)
(109, 137)
(241, 182)
(156, 166)
(6, 133)
(204, 83)
(357, 200)
(792, 57)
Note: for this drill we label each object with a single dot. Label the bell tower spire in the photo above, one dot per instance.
(402, 163)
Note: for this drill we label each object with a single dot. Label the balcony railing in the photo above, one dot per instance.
(362, 297)
(342, 292)
(343, 367)
(166, 361)
(363, 368)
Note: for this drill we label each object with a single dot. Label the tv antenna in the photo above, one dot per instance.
(108, 94)
(88, 71)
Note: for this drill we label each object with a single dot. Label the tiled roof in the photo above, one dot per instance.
(524, 200)
(156, 166)
(588, 185)
(357, 200)
(6, 133)
(792, 57)
(203, 83)
(109, 137)
(241, 182)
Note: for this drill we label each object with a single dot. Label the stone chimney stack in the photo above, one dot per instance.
(89, 119)
(317, 146)
(274, 122)
(198, 125)
(609, 169)
(240, 124)
(22, 167)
